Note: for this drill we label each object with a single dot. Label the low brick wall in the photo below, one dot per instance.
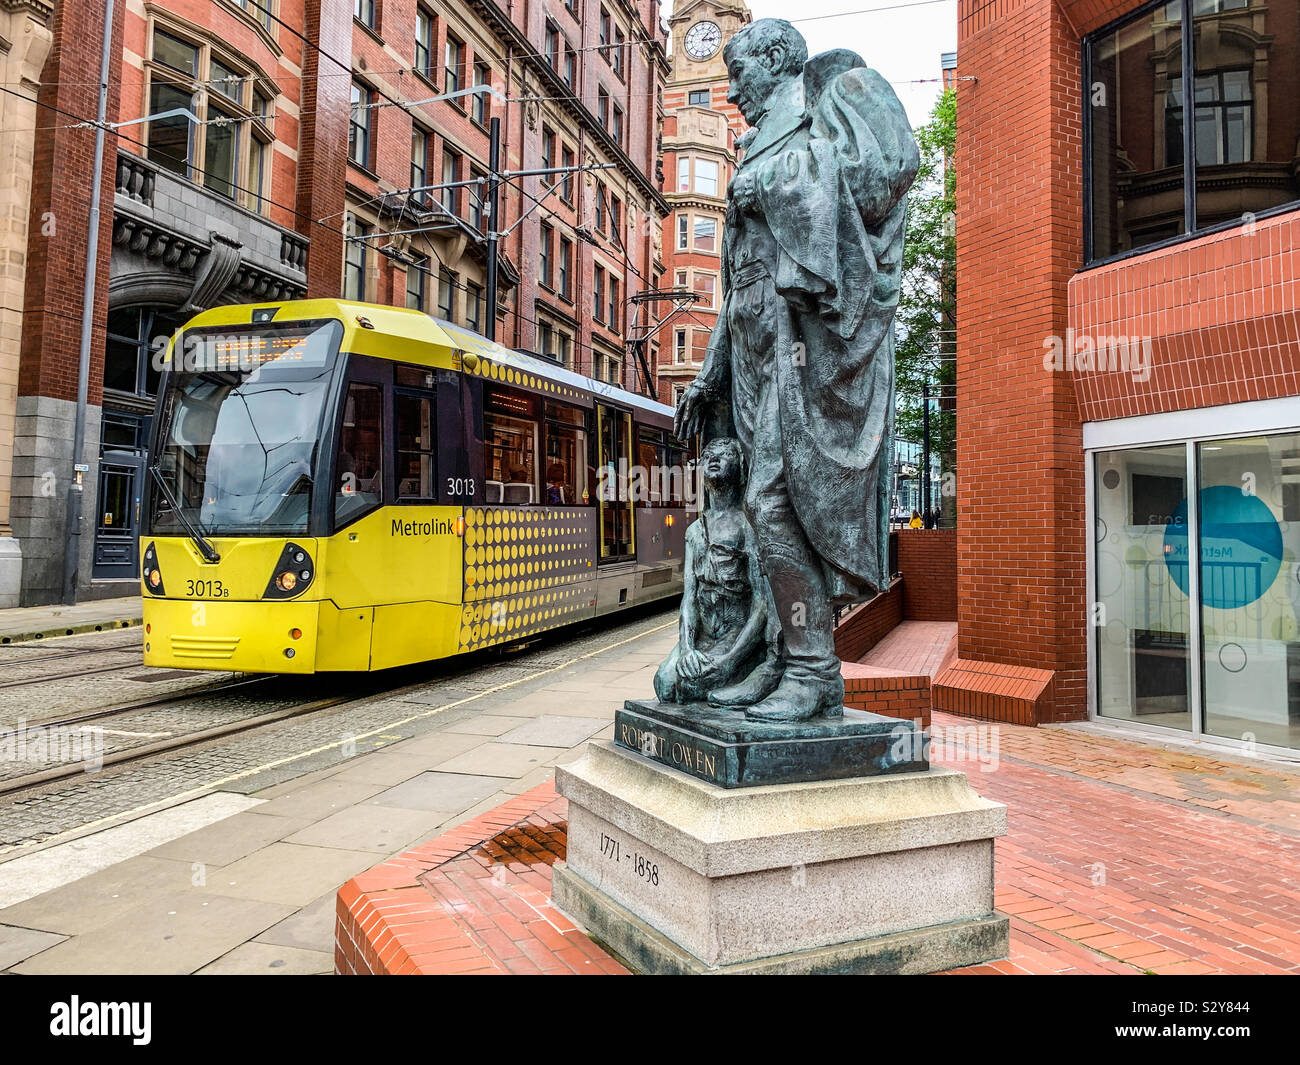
(996, 691)
(868, 623)
(927, 560)
(882, 691)
(475, 900)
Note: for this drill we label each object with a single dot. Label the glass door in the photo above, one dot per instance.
(1249, 497)
(1212, 648)
(1142, 606)
(117, 524)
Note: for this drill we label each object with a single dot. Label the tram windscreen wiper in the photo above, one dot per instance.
(200, 541)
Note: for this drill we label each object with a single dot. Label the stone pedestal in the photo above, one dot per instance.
(881, 874)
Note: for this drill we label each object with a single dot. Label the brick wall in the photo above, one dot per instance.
(59, 220)
(927, 559)
(1021, 540)
(1222, 313)
(323, 152)
(868, 623)
(905, 696)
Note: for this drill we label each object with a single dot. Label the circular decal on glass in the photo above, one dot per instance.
(1241, 547)
(1232, 657)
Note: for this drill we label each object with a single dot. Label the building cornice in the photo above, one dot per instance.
(40, 9)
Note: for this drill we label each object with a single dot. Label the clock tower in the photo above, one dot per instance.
(699, 153)
(699, 30)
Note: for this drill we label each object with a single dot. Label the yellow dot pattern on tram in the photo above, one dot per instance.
(508, 375)
(526, 569)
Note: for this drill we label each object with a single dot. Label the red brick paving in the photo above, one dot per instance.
(1123, 857)
(475, 900)
(1120, 858)
(914, 647)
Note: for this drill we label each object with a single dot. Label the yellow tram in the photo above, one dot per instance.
(346, 486)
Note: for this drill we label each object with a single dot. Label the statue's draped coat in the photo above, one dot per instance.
(831, 173)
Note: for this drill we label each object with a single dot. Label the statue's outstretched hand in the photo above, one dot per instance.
(692, 410)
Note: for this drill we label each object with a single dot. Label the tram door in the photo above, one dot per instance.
(614, 467)
(117, 517)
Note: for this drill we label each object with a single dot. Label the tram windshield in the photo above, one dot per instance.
(240, 429)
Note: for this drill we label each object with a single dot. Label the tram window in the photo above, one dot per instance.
(666, 475)
(415, 447)
(413, 376)
(510, 432)
(359, 469)
(568, 474)
(651, 448)
(614, 436)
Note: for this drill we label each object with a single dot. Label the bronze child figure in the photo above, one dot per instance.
(724, 604)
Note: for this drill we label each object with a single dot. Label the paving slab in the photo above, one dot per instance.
(385, 768)
(380, 829)
(288, 873)
(445, 792)
(18, 944)
(28, 875)
(268, 959)
(438, 746)
(530, 780)
(483, 725)
(320, 799)
(101, 898)
(172, 933)
(30, 622)
(231, 839)
(554, 730)
(311, 928)
(495, 759)
(562, 704)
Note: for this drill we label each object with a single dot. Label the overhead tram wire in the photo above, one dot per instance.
(346, 70)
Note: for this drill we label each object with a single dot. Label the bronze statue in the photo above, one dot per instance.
(724, 612)
(800, 366)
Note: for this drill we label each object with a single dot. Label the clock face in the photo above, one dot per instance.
(703, 39)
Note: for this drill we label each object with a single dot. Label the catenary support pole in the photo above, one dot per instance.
(76, 489)
(925, 454)
(494, 227)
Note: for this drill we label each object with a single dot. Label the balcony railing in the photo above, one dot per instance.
(140, 182)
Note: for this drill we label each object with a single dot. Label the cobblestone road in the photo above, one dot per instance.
(45, 679)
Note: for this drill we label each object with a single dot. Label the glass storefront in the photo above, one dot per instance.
(1211, 649)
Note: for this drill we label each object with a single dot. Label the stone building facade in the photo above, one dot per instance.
(25, 39)
(282, 143)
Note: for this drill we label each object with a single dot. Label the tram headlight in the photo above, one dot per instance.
(292, 574)
(150, 573)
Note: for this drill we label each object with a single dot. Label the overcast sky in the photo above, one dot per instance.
(903, 44)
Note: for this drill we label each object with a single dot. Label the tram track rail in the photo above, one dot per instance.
(386, 684)
(97, 717)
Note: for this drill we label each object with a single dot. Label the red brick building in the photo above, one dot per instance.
(296, 148)
(1129, 365)
(699, 158)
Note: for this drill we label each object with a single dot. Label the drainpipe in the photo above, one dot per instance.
(76, 490)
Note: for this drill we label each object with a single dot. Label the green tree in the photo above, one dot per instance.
(927, 307)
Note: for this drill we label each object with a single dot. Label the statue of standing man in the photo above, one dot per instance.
(800, 365)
